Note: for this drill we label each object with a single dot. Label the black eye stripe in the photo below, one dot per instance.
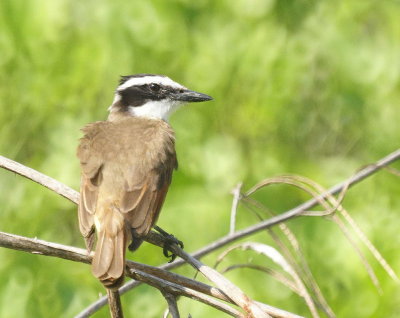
(154, 87)
(138, 95)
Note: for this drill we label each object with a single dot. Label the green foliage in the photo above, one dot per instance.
(305, 87)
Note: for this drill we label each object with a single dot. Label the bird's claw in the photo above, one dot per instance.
(169, 240)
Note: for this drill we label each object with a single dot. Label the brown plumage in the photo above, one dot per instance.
(127, 164)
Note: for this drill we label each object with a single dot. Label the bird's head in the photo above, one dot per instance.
(152, 96)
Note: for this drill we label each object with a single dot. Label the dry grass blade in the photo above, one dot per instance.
(362, 257)
(337, 203)
(370, 246)
(277, 258)
(307, 186)
(331, 205)
(297, 261)
(259, 248)
(235, 202)
(393, 171)
(273, 273)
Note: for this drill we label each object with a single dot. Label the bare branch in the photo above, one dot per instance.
(73, 196)
(177, 284)
(189, 288)
(115, 304)
(231, 290)
(359, 176)
(102, 301)
(172, 305)
(36, 246)
(273, 311)
(40, 178)
(41, 247)
(176, 289)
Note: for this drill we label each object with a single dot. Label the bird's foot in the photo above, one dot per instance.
(169, 240)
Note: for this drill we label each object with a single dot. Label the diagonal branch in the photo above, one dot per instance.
(356, 178)
(176, 290)
(73, 196)
(227, 287)
(170, 282)
(136, 270)
(38, 177)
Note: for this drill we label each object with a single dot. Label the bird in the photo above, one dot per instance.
(127, 162)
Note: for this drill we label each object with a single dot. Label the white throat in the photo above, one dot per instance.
(161, 109)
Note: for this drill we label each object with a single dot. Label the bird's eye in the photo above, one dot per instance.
(154, 87)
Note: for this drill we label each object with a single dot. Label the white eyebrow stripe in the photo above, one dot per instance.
(164, 81)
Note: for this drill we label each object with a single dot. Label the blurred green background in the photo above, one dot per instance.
(300, 86)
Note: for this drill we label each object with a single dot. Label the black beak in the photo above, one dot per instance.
(190, 96)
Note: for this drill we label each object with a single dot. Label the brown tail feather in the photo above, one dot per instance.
(109, 257)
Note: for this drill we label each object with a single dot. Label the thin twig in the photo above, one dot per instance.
(172, 304)
(114, 301)
(102, 301)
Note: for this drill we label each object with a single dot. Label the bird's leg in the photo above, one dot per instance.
(136, 241)
(169, 240)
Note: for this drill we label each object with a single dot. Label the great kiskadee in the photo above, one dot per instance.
(126, 168)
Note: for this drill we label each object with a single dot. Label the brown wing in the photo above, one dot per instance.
(91, 175)
(142, 202)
